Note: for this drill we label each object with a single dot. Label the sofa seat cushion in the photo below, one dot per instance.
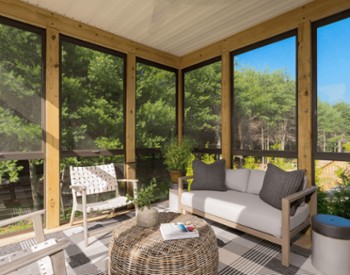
(243, 208)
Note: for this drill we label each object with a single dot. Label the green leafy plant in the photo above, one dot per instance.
(176, 155)
(10, 170)
(145, 196)
(336, 201)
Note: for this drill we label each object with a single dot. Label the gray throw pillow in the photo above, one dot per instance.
(279, 184)
(209, 176)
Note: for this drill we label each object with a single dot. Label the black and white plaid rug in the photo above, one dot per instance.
(239, 253)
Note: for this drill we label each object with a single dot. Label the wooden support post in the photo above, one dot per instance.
(52, 145)
(226, 101)
(180, 105)
(130, 143)
(305, 100)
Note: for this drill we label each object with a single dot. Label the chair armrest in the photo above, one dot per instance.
(30, 257)
(133, 181)
(36, 220)
(32, 216)
(78, 188)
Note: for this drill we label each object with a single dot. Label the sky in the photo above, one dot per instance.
(333, 60)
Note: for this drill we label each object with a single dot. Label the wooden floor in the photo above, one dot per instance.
(304, 240)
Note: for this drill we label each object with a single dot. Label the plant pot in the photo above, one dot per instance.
(174, 175)
(147, 217)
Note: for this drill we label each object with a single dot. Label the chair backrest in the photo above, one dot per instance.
(96, 179)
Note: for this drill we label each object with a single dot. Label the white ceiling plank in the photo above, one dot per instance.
(174, 26)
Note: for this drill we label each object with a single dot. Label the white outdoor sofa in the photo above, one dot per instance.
(240, 207)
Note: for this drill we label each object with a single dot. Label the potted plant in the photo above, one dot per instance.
(176, 157)
(146, 215)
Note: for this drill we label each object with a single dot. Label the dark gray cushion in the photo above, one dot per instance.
(209, 176)
(279, 184)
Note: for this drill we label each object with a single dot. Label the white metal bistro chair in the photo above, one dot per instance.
(47, 257)
(92, 180)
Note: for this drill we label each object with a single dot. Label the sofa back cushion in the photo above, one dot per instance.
(279, 184)
(237, 179)
(255, 181)
(209, 176)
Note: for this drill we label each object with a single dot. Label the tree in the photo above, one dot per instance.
(265, 109)
(20, 99)
(156, 108)
(203, 105)
(92, 99)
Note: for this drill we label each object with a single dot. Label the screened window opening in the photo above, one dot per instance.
(155, 105)
(92, 97)
(265, 99)
(333, 87)
(156, 90)
(202, 105)
(331, 121)
(22, 87)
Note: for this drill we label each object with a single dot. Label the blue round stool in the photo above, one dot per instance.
(331, 244)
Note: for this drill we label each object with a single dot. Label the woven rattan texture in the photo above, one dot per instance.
(138, 250)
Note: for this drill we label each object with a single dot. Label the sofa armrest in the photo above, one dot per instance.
(180, 182)
(287, 201)
(286, 204)
(301, 194)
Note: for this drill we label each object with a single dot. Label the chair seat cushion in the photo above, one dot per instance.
(106, 205)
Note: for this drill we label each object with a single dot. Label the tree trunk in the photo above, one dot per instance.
(239, 133)
(34, 184)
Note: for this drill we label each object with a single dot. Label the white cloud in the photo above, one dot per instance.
(333, 93)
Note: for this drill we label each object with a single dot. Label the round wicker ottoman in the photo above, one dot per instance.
(138, 250)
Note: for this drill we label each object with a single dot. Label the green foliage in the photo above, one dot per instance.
(145, 196)
(202, 108)
(322, 202)
(336, 201)
(280, 162)
(264, 104)
(9, 170)
(250, 163)
(155, 106)
(176, 156)
(333, 127)
(92, 99)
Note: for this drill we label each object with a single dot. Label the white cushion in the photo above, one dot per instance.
(304, 187)
(255, 181)
(237, 179)
(243, 208)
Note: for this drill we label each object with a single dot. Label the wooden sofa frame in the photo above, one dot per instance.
(287, 234)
